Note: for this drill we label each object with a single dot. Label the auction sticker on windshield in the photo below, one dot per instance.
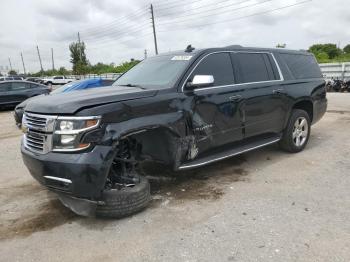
(182, 57)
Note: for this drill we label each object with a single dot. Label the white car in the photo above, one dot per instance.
(57, 80)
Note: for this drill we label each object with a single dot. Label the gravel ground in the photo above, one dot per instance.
(265, 205)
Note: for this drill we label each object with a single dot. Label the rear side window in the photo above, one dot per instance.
(5, 87)
(218, 65)
(34, 85)
(254, 67)
(19, 86)
(302, 66)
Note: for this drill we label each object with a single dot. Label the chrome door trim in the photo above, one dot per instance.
(240, 84)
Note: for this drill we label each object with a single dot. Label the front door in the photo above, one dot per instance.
(4, 93)
(216, 114)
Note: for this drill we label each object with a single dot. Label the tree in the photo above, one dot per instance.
(12, 73)
(78, 58)
(346, 49)
(330, 49)
(322, 57)
(63, 71)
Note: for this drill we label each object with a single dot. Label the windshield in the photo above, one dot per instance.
(155, 72)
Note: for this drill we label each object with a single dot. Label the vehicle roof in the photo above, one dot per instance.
(236, 48)
(21, 81)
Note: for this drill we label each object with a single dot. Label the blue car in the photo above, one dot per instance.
(83, 84)
(72, 86)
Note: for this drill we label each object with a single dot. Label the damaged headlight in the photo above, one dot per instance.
(69, 131)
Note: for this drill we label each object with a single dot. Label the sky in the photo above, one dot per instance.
(116, 31)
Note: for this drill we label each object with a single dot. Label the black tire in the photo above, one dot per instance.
(287, 142)
(124, 202)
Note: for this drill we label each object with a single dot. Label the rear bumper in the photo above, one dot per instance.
(320, 108)
(80, 175)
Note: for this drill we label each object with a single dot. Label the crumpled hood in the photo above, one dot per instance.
(71, 102)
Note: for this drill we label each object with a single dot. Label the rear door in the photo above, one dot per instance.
(265, 106)
(216, 116)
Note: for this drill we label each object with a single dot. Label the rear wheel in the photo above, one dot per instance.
(297, 133)
(126, 192)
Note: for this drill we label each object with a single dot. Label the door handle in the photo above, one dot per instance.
(278, 91)
(235, 98)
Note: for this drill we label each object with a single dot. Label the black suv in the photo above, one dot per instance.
(184, 109)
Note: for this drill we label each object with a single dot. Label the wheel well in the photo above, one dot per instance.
(306, 106)
(157, 144)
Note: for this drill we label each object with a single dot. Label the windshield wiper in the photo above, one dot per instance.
(132, 85)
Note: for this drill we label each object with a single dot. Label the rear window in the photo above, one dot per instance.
(302, 66)
(254, 67)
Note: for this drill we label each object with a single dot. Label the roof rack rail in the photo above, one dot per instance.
(234, 46)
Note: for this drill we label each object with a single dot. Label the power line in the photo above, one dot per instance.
(114, 34)
(113, 23)
(237, 18)
(217, 13)
(177, 4)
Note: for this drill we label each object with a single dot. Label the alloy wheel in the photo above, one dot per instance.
(300, 131)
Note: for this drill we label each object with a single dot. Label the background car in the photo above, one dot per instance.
(77, 85)
(9, 78)
(57, 80)
(34, 79)
(14, 92)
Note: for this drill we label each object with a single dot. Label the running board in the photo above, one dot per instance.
(229, 153)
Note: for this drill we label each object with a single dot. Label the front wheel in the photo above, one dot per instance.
(125, 201)
(126, 192)
(296, 135)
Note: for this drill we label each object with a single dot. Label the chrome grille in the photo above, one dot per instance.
(35, 140)
(38, 132)
(35, 122)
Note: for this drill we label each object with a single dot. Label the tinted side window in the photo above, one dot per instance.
(58, 77)
(302, 66)
(218, 65)
(5, 87)
(34, 86)
(254, 67)
(19, 86)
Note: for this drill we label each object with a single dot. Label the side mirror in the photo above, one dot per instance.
(201, 81)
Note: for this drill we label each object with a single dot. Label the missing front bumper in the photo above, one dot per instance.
(82, 207)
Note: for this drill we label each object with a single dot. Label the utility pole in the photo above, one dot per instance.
(41, 65)
(24, 68)
(154, 31)
(10, 64)
(79, 45)
(53, 62)
(145, 53)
